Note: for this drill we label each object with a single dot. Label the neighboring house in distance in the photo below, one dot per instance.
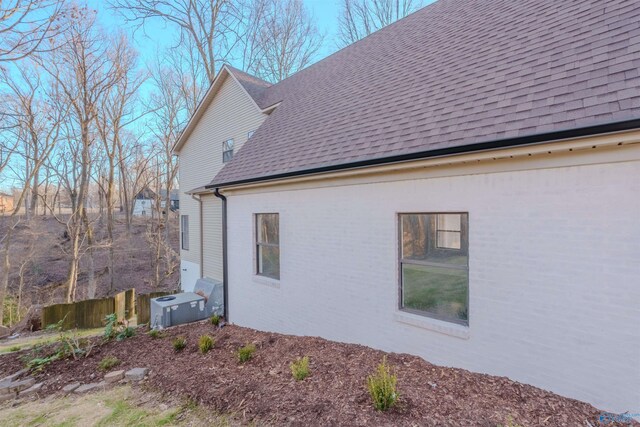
(6, 203)
(174, 199)
(145, 201)
(463, 185)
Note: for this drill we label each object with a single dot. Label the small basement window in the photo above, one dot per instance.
(227, 150)
(434, 265)
(268, 245)
(184, 232)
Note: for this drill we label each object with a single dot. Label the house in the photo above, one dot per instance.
(6, 203)
(463, 185)
(145, 201)
(174, 199)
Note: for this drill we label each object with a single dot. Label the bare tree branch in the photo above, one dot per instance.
(359, 18)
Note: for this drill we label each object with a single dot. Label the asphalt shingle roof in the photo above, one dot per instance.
(455, 73)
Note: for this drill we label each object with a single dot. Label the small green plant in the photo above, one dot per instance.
(245, 353)
(215, 320)
(155, 334)
(300, 368)
(179, 343)
(205, 343)
(126, 332)
(382, 387)
(108, 363)
(111, 326)
(15, 348)
(118, 330)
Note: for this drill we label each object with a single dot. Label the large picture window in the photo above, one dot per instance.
(268, 245)
(434, 264)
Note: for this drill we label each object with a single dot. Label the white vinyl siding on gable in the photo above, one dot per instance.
(231, 115)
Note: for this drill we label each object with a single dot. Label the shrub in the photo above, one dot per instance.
(155, 334)
(300, 368)
(108, 363)
(382, 387)
(179, 343)
(15, 348)
(205, 343)
(246, 353)
(215, 320)
(118, 330)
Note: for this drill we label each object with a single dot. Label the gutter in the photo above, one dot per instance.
(481, 146)
(225, 278)
(198, 199)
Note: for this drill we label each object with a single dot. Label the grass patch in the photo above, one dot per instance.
(156, 334)
(179, 343)
(215, 320)
(205, 344)
(300, 368)
(244, 354)
(120, 406)
(109, 362)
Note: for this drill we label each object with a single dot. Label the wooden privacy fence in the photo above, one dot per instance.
(90, 313)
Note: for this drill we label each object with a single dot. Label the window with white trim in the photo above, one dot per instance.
(434, 265)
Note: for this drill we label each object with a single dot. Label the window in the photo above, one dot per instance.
(227, 150)
(268, 245)
(434, 265)
(184, 232)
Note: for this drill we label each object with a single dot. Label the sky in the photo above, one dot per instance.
(158, 36)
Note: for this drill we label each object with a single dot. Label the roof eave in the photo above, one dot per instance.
(534, 139)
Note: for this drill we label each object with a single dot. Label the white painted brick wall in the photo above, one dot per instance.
(554, 274)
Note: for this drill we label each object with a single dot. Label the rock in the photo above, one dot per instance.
(69, 388)
(136, 374)
(13, 377)
(18, 386)
(114, 377)
(89, 387)
(34, 389)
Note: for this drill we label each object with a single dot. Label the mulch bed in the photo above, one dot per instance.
(335, 393)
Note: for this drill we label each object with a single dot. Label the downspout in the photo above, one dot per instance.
(225, 279)
(199, 200)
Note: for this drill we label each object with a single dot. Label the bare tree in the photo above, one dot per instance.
(170, 112)
(359, 18)
(85, 72)
(33, 128)
(281, 38)
(117, 113)
(213, 26)
(28, 26)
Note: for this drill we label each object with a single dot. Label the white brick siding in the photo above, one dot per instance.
(553, 265)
